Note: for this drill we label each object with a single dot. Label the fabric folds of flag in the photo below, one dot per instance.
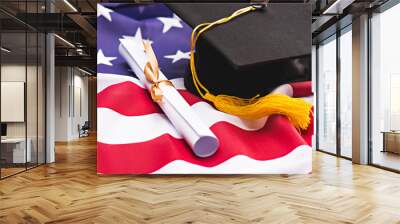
(134, 137)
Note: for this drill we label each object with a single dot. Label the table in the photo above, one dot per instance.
(15, 148)
(391, 141)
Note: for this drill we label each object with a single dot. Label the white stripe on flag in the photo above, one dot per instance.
(116, 128)
(211, 116)
(299, 161)
(105, 80)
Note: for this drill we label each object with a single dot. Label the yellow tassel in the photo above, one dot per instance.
(297, 110)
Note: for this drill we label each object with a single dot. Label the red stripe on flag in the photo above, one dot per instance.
(275, 140)
(130, 99)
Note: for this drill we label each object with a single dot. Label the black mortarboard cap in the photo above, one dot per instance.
(253, 53)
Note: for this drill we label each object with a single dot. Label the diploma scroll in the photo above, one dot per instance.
(199, 137)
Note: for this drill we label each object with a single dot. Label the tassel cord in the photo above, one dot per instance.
(296, 110)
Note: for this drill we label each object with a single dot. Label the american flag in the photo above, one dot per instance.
(134, 137)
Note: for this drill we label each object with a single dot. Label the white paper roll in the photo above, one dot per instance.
(199, 137)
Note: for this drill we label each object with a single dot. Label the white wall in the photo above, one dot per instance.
(71, 102)
(61, 103)
(33, 126)
(16, 73)
(80, 105)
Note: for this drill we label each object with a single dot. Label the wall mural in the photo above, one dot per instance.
(151, 121)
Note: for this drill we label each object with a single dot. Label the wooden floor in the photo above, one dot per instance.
(387, 159)
(70, 191)
(5, 172)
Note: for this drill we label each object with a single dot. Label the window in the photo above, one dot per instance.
(22, 77)
(385, 89)
(334, 99)
(346, 92)
(327, 96)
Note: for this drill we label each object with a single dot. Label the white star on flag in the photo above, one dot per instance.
(178, 56)
(102, 59)
(103, 11)
(170, 22)
(137, 37)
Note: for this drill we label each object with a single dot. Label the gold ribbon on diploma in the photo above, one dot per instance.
(151, 73)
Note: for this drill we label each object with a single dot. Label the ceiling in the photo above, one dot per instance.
(74, 21)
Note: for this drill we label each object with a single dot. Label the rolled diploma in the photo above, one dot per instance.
(199, 137)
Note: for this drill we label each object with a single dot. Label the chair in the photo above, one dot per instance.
(84, 130)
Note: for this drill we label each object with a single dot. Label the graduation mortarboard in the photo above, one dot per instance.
(253, 53)
(245, 51)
